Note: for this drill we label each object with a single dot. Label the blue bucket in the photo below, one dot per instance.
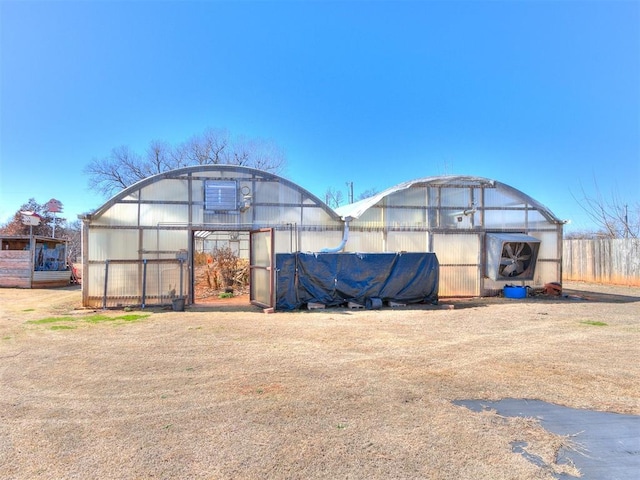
(515, 292)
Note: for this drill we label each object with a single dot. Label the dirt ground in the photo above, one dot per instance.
(232, 392)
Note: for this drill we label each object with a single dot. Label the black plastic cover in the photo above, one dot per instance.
(333, 279)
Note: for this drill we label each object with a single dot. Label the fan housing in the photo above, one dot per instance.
(511, 256)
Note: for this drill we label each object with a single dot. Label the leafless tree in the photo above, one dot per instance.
(613, 217)
(333, 197)
(123, 167)
(367, 193)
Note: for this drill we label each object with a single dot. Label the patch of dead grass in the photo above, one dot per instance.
(332, 394)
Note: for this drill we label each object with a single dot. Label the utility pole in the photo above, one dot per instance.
(350, 191)
(626, 221)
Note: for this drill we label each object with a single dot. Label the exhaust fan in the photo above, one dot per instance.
(511, 256)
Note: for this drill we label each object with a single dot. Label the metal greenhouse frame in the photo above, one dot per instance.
(455, 217)
(138, 248)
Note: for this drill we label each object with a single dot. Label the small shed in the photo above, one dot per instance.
(33, 262)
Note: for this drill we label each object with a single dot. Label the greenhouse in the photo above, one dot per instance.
(143, 246)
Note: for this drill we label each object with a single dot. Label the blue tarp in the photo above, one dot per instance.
(334, 279)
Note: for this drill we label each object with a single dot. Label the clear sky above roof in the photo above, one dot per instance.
(543, 96)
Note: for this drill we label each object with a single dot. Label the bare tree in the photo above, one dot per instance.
(367, 193)
(333, 197)
(124, 167)
(121, 168)
(613, 217)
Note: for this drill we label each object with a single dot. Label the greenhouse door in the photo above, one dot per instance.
(261, 288)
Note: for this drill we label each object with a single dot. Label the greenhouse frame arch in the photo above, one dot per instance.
(139, 247)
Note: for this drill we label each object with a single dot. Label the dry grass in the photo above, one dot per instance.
(323, 394)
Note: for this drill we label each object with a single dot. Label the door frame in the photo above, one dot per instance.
(267, 264)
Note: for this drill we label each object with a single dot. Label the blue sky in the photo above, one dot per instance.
(541, 95)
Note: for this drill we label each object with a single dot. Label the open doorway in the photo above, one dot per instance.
(221, 267)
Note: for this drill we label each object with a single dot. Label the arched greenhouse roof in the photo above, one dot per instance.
(223, 168)
(357, 209)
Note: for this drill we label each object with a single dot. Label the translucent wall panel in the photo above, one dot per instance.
(168, 189)
(163, 282)
(311, 241)
(372, 218)
(455, 197)
(276, 215)
(548, 244)
(267, 192)
(285, 241)
(411, 197)
(535, 220)
(406, 217)
(124, 282)
(500, 219)
(407, 242)
(112, 244)
(546, 272)
(457, 249)
(172, 240)
(458, 281)
(260, 286)
(229, 218)
(317, 216)
(94, 283)
(455, 218)
(495, 198)
(153, 215)
(120, 214)
(365, 242)
(197, 190)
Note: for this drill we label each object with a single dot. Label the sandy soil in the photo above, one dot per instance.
(232, 392)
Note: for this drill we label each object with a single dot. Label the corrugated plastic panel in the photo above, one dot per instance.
(370, 219)
(457, 249)
(118, 244)
(455, 197)
(172, 240)
(548, 245)
(311, 241)
(94, 283)
(406, 217)
(546, 272)
(163, 282)
(458, 281)
(318, 216)
(407, 242)
(411, 197)
(535, 220)
(276, 215)
(285, 241)
(120, 214)
(168, 189)
(197, 190)
(499, 219)
(365, 242)
(495, 198)
(455, 218)
(268, 192)
(152, 215)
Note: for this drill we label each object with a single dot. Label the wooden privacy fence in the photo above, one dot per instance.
(605, 260)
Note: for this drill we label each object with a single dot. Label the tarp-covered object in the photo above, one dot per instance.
(334, 279)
